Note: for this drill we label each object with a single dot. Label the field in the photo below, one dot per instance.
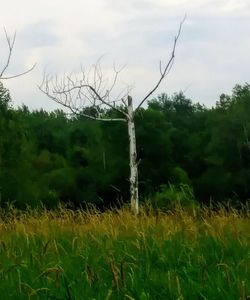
(114, 255)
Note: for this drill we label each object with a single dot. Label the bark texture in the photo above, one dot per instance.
(132, 159)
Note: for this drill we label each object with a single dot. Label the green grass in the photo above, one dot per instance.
(115, 255)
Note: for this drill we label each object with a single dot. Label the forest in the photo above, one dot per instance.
(184, 148)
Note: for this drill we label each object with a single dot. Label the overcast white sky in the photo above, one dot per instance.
(213, 53)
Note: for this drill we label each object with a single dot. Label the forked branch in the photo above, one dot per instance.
(164, 70)
(11, 42)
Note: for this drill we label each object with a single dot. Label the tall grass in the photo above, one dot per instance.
(65, 254)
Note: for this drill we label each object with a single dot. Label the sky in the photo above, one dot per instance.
(212, 54)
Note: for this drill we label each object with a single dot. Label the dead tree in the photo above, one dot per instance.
(91, 89)
(10, 43)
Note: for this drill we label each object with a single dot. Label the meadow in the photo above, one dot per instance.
(65, 254)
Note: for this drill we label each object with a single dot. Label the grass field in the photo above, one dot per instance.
(115, 255)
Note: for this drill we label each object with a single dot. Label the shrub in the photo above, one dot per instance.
(174, 196)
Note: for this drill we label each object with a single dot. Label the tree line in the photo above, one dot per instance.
(49, 157)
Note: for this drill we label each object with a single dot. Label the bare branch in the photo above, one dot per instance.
(11, 43)
(20, 74)
(160, 67)
(76, 110)
(164, 71)
(117, 72)
(90, 90)
(93, 95)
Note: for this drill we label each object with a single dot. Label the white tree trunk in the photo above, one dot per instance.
(132, 159)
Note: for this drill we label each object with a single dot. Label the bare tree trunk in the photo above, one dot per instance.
(132, 159)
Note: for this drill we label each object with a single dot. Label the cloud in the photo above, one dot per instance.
(60, 35)
(39, 34)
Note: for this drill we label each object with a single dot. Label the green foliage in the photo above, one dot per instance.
(48, 157)
(153, 136)
(174, 196)
(5, 99)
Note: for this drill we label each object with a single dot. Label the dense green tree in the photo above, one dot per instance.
(47, 157)
(10, 145)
